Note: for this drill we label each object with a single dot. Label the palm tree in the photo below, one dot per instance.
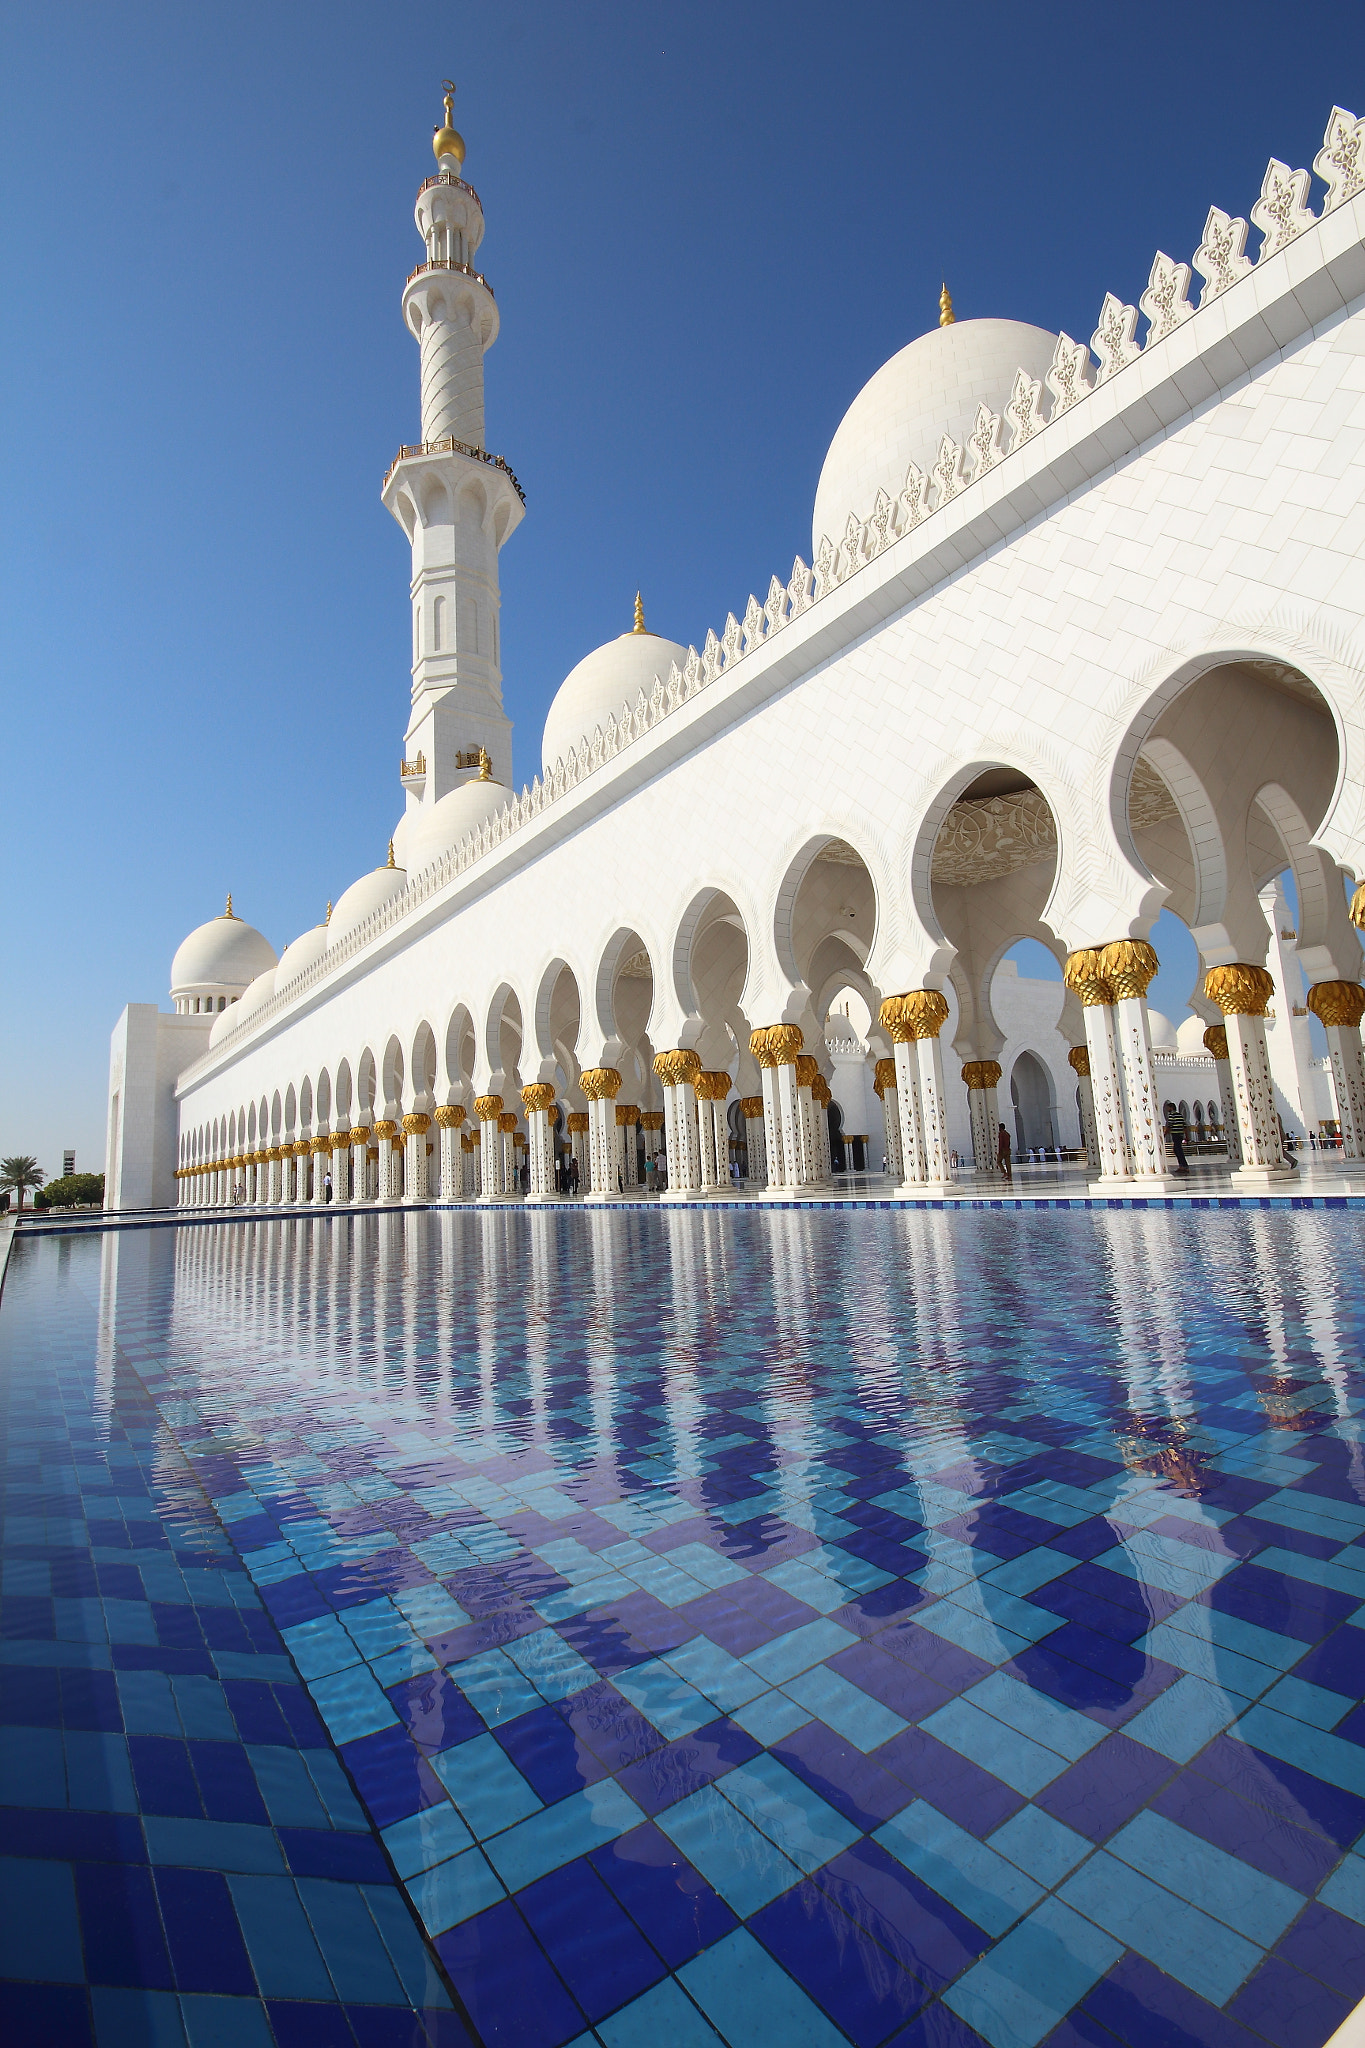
(20, 1173)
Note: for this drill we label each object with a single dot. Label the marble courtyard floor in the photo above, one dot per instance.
(668, 1627)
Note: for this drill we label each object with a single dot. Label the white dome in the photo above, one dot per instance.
(434, 830)
(355, 904)
(1190, 1036)
(602, 682)
(220, 958)
(308, 947)
(224, 1022)
(260, 991)
(1162, 1030)
(931, 388)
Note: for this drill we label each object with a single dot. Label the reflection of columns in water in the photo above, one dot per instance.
(539, 1297)
(610, 1280)
(1147, 1291)
(691, 1284)
(1317, 1273)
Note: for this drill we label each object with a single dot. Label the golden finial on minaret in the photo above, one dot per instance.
(639, 626)
(229, 912)
(448, 141)
(946, 315)
(328, 918)
(392, 862)
(485, 766)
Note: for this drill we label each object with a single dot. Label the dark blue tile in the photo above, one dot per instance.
(669, 1901)
(207, 1950)
(597, 1950)
(1288, 2008)
(854, 1784)
(499, 1970)
(553, 1760)
(1326, 1945)
(256, 1711)
(121, 1926)
(1282, 1790)
(163, 1776)
(71, 1837)
(836, 1959)
(298, 2025)
(393, 1779)
(969, 1795)
(683, 1766)
(928, 1937)
(57, 2015)
(1295, 1855)
(1106, 1787)
(315, 1852)
(436, 1712)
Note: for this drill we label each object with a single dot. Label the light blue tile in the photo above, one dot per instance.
(1181, 1720)
(430, 1610)
(290, 1796)
(787, 1811)
(734, 1858)
(1243, 1637)
(453, 1891)
(796, 1577)
(320, 1647)
(1035, 1715)
(137, 2019)
(147, 1703)
(796, 1651)
(672, 1705)
(351, 1704)
(203, 1708)
(725, 1681)
(712, 1567)
(406, 1661)
(984, 1639)
(1344, 1890)
(769, 1717)
(98, 1774)
(1311, 1703)
(494, 1687)
(1016, 1758)
(1243, 1897)
(844, 1707)
(665, 1582)
(1210, 1661)
(574, 1826)
(1317, 1571)
(664, 2018)
(1019, 1990)
(752, 2000)
(211, 1844)
(987, 1602)
(1033, 1568)
(375, 1627)
(486, 1785)
(1040, 1845)
(1331, 1757)
(1207, 1957)
(426, 1838)
(130, 1621)
(1148, 1567)
(552, 1667)
(980, 1883)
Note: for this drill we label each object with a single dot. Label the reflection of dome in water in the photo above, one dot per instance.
(932, 387)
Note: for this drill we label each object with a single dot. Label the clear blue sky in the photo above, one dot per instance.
(707, 226)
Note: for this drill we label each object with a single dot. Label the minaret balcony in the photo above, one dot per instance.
(413, 774)
(504, 498)
(449, 263)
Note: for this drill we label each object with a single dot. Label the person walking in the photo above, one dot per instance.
(327, 1187)
(1002, 1154)
(1176, 1131)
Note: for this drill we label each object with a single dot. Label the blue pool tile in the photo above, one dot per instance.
(594, 1945)
(1016, 1994)
(1257, 1906)
(664, 2013)
(207, 1950)
(136, 2019)
(734, 1857)
(279, 1941)
(785, 1808)
(1040, 1845)
(453, 1890)
(1344, 1890)
(500, 1970)
(40, 1933)
(750, 1997)
(668, 1899)
(121, 1927)
(981, 1885)
(485, 1785)
(1187, 1944)
(558, 1834)
(1186, 1716)
(425, 1839)
(1288, 2007)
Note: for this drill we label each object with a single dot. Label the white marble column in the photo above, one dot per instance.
(1083, 974)
(360, 1163)
(885, 1086)
(416, 1179)
(471, 1147)
(677, 1071)
(488, 1108)
(322, 1166)
(711, 1089)
(1129, 965)
(341, 1166)
(1241, 991)
(450, 1158)
(981, 1078)
(385, 1131)
(1079, 1059)
(912, 1021)
(811, 1154)
(1216, 1042)
(751, 1109)
(652, 1123)
(511, 1177)
(601, 1085)
(538, 1099)
(821, 1096)
(576, 1125)
(776, 1048)
(1340, 1005)
(627, 1117)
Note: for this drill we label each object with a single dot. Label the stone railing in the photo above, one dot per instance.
(450, 263)
(448, 445)
(1280, 215)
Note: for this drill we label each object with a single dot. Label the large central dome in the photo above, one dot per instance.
(931, 388)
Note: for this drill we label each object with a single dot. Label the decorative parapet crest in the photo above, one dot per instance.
(1280, 214)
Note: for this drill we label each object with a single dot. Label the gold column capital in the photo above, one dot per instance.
(807, 1070)
(1239, 989)
(1216, 1041)
(712, 1086)
(627, 1115)
(415, 1122)
(678, 1066)
(487, 1107)
(1085, 977)
(360, 1134)
(538, 1095)
(385, 1128)
(885, 1077)
(508, 1120)
(777, 1045)
(1337, 1002)
(650, 1120)
(449, 1115)
(919, 1013)
(577, 1120)
(982, 1073)
(600, 1084)
(1079, 1058)
(1129, 966)
(751, 1108)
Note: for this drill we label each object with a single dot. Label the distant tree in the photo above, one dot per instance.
(70, 1191)
(20, 1173)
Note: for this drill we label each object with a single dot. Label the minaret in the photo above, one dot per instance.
(456, 503)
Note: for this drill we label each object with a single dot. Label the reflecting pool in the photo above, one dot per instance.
(891, 1627)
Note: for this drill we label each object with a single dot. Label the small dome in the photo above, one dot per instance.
(308, 947)
(224, 1022)
(1190, 1036)
(931, 388)
(603, 681)
(355, 904)
(260, 991)
(1162, 1030)
(435, 829)
(220, 957)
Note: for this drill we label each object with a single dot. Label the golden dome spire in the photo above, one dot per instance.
(485, 766)
(639, 626)
(328, 918)
(448, 141)
(946, 315)
(230, 912)
(391, 862)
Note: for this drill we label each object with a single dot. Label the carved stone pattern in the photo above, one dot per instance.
(1069, 377)
(1221, 257)
(983, 838)
(1282, 211)
(1114, 338)
(1025, 409)
(1166, 299)
(1340, 163)
(948, 470)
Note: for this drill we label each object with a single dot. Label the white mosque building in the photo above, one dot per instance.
(1082, 635)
